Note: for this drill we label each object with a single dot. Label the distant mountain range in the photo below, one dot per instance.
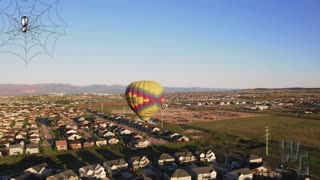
(41, 89)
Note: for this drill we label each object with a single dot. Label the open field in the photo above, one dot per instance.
(304, 130)
(182, 116)
(247, 135)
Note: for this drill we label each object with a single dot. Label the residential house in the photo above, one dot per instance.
(107, 134)
(239, 174)
(139, 162)
(115, 165)
(126, 132)
(33, 130)
(183, 139)
(101, 142)
(68, 174)
(201, 156)
(61, 145)
(103, 125)
(261, 108)
(16, 149)
(254, 159)
(173, 136)
(34, 140)
(140, 143)
(206, 172)
(210, 156)
(93, 171)
(165, 159)
(266, 172)
(178, 174)
(32, 148)
(185, 157)
(88, 143)
(20, 136)
(112, 141)
(74, 137)
(74, 145)
(40, 170)
(155, 130)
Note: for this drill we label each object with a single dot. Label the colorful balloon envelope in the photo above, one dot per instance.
(144, 98)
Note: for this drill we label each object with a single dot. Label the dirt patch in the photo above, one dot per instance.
(183, 116)
(196, 137)
(120, 111)
(192, 131)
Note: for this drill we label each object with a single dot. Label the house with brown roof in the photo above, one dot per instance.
(34, 140)
(61, 145)
(74, 145)
(88, 143)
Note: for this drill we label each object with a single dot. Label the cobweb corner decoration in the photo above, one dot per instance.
(29, 28)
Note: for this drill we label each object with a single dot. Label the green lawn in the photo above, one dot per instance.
(227, 133)
(304, 130)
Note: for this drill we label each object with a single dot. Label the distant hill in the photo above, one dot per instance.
(40, 89)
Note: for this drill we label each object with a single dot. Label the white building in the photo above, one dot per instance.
(32, 149)
(93, 171)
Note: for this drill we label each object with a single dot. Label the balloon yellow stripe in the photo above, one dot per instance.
(137, 94)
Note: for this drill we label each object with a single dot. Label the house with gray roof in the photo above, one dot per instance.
(115, 165)
(178, 174)
(205, 172)
(68, 174)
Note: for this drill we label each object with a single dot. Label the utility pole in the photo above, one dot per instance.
(161, 119)
(267, 135)
(124, 112)
(102, 107)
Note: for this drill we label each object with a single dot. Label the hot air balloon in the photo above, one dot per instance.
(144, 98)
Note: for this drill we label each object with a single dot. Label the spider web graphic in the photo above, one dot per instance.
(45, 27)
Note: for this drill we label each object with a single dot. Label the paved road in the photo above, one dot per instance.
(46, 135)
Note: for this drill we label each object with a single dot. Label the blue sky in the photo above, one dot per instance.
(202, 43)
